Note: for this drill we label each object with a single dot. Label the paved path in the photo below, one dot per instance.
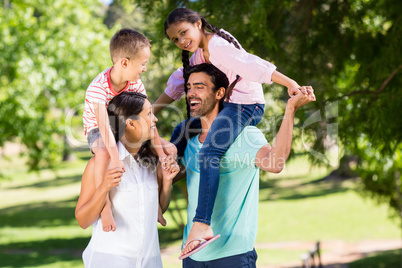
(334, 254)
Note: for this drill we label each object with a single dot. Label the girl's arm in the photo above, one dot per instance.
(92, 199)
(292, 85)
(163, 101)
(250, 67)
(174, 91)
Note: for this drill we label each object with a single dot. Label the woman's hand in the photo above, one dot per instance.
(112, 178)
(171, 168)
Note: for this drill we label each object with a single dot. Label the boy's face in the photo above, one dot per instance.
(138, 65)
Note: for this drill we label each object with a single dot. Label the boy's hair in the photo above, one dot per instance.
(126, 43)
(190, 16)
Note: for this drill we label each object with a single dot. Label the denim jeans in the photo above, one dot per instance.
(224, 130)
(245, 260)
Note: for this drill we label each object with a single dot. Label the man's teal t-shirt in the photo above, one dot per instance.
(235, 212)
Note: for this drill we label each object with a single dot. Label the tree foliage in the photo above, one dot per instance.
(349, 51)
(50, 51)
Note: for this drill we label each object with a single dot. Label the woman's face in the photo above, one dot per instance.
(185, 35)
(146, 123)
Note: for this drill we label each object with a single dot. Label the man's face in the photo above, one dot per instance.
(200, 95)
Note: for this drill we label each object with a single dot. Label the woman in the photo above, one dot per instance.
(134, 193)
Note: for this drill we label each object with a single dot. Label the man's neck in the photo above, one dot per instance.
(206, 122)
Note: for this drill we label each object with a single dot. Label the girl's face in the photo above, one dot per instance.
(145, 125)
(185, 35)
(138, 65)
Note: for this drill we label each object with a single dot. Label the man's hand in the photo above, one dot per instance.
(301, 99)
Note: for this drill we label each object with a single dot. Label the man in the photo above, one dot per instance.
(236, 206)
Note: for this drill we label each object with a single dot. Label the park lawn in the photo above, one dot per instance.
(38, 228)
(387, 259)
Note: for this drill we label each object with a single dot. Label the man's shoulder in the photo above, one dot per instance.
(250, 133)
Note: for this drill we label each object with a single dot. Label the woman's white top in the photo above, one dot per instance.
(135, 242)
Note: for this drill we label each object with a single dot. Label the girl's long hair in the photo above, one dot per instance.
(128, 105)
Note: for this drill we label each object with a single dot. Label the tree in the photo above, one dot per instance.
(349, 51)
(50, 52)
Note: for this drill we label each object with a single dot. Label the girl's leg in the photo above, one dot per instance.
(224, 130)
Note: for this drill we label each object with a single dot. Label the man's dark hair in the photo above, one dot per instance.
(218, 78)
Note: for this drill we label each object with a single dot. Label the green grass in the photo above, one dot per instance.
(38, 228)
(387, 259)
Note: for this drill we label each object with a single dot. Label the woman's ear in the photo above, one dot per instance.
(130, 124)
(220, 93)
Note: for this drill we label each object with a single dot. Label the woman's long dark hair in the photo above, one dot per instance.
(190, 16)
(128, 105)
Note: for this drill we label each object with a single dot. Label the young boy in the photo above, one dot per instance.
(130, 52)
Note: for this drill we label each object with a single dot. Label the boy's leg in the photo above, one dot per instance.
(102, 161)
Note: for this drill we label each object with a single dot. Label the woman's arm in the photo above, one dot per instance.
(92, 199)
(165, 179)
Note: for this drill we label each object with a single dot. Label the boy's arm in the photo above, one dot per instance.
(272, 159)
(107, 135)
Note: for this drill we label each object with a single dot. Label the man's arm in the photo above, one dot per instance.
(272, 159)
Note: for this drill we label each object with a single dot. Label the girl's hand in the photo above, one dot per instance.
(300, 99)
(294, 90)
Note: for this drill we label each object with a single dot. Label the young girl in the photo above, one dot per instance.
(135, 194)
(245, 106)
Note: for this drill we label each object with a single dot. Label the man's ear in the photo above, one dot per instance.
(220, 93)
